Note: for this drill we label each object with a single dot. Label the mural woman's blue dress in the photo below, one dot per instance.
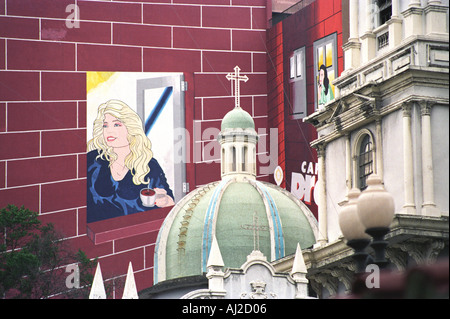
(107, 198)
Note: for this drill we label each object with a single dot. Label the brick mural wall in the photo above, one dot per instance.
(276, 92)
(315, 21)
(43, 66)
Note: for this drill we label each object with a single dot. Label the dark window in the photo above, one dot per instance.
(365, 161)
(244, 159)
(385, 9)
(233, 164)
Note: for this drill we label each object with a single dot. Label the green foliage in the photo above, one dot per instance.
(32, 258)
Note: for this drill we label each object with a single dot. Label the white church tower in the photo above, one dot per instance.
(238, 138)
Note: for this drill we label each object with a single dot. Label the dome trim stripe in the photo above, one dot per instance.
(278, 230)
(209, 222)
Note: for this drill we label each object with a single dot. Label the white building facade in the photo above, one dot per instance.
(390, 117)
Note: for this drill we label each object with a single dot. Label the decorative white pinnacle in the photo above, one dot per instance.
(130, 290)
(299, 266)
(98, 288)
(215, 257)
(236, 78)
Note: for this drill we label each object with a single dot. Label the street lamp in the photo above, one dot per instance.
(367, 214)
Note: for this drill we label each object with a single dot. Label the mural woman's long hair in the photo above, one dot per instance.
(140, 146)
(326, 81)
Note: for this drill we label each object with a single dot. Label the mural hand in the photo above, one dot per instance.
(162, 199)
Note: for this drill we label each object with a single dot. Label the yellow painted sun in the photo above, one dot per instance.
(93, 79)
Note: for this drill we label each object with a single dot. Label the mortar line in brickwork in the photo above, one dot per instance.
(77, 217)
(40, 143)
(40, 70)
(251, 18)
(6, 54)
(231, 40)
(203, 106)
(78, 115)
(253, 106)
(40, 86)
(62, 210)
(76, 56)
(137, 23)
(6, 117)
(46, 183)
(227, 96)
(144, 256)
(119, 45)
(40, 199)
(142, 59)
(45, 130)
(6, 174)
(43, 156)
(219, 72)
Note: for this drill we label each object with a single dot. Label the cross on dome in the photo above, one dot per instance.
(236, 78)
(256, 228)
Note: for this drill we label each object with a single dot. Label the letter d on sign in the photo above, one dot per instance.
(73, 280)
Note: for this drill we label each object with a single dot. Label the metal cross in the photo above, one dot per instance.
(256, 228)
(236, 78)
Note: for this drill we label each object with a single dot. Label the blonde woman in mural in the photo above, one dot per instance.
(120, 164)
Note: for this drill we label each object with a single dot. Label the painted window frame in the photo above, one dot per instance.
(323, 42)
(298, 81)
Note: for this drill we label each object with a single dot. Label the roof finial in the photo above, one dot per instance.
(236, 78)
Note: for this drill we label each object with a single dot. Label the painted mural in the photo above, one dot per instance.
(326, 62)
(129, 145)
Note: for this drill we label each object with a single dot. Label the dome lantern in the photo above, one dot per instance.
(238, 137)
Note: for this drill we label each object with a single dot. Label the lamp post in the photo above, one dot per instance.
(354, 231)
(368, 214)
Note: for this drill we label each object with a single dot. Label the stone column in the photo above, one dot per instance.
(368, 39)
(435, 16)
(428, 205)
(352, 48)
(379, 149)
(413, 19)
(348, 163)
(409, 206)
(395, 26)
(322, 203)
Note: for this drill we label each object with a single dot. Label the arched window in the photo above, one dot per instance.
(365, 161)
(364, 158)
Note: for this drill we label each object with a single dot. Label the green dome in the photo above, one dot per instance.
(227, 210)
(237, 118)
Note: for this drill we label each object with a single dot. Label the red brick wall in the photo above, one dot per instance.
(275, 94)
(43, 96)
(317, 20)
